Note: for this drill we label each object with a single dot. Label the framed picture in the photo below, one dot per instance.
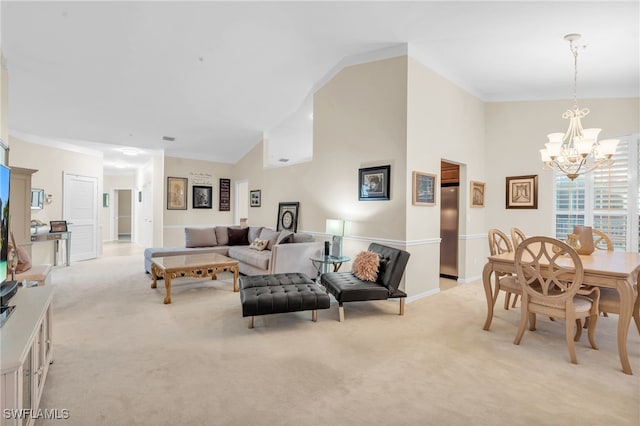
(255, 198)
(225, 195)
(58, 226)
(522, 192)
(176, 193)
(374, 183)
(288, 217)
(477, 194)
(201, 197)
(424, 189)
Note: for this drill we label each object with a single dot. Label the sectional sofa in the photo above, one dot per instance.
(283, 252)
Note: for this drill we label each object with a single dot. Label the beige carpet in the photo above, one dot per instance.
(122, 357)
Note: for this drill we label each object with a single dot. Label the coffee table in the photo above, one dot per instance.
(191, 265)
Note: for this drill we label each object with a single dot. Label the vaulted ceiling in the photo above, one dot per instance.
(216, 76)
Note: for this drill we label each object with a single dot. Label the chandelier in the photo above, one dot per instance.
(577, 151)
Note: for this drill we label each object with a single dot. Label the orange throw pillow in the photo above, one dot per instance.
(365, 266)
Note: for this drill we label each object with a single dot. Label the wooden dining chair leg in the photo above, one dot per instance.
(507, 296)
(593, 321)
(515, 299)
(523, 324)
(569, 337)
(578, 334)
(532, 321)
(636, 312)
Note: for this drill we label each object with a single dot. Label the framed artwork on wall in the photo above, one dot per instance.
(288, 216)
(374, 183)
(176, 193)
(225, 195)
(477, 194)
(202, 197)
(424, 189)
(522, 192)
(255, 198)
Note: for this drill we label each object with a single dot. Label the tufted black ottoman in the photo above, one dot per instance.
(279, 293)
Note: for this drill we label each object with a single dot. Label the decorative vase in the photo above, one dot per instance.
(585, 239)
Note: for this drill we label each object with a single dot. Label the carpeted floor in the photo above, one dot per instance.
(122, 357)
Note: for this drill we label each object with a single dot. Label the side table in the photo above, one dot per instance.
(322, 263)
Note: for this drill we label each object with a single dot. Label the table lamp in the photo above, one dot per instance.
(337, 228)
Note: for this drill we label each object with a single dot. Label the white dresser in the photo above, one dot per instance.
(26, 354)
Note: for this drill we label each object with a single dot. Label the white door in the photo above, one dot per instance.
(80, 210)
(146, 231)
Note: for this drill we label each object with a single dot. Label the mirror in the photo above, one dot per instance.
(37, 198)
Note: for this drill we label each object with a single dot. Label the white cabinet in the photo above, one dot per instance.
(26, 355)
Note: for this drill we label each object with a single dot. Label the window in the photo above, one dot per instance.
(607, 199)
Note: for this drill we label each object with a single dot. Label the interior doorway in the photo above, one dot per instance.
(123, 214)
(449, 219)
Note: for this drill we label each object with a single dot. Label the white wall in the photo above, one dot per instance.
(51, 163)
(516, 131)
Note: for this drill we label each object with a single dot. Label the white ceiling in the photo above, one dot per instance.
(217, 75)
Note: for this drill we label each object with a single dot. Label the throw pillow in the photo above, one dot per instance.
(238, 236)
(365, 266)
(285, 237)
(24, 260)
(259, 244)
(269, 234)
(200, 237)
(222, 236)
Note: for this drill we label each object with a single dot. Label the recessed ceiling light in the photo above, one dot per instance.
(132, 152)
(283, 160)
(168, 138)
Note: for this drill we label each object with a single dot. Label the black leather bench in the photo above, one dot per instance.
(280, 293)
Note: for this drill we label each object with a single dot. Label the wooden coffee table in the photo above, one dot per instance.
(191, 265)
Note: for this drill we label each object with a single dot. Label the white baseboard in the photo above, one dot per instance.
(422, 295)
(469, 279)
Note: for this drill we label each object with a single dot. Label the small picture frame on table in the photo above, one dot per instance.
(58, 226)
(522, 192)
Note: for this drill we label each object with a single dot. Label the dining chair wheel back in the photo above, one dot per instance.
(551, 274)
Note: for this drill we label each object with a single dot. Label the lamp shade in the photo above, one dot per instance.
(338, 227)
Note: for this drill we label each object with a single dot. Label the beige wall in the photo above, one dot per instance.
(174, 221)
(4, 101)
(51, 163)
(443, 123)
(516, 131)
(359, 121)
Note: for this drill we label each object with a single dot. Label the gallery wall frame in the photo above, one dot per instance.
(477, 193)
(423, 189)
(225, 195)
(201, 198)
(522, 192)
(176, 193)
(288, 216)
(255, 198)
(374, 183)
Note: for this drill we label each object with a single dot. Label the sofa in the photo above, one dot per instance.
(275, 252)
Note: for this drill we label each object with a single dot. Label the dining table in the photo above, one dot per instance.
(606, 269)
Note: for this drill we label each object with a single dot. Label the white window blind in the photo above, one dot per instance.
(607, 199)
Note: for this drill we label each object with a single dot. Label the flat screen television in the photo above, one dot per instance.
(7, 287)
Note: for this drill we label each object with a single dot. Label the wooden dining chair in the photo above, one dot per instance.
(601, 241)
(517, 236)
(499, 243)
(609, 297)
(554, 288)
